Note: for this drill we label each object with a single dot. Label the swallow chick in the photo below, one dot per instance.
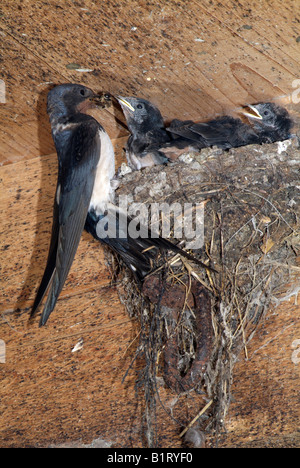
(149, 143)
(270, 121)
(266, 123)
(86, 166)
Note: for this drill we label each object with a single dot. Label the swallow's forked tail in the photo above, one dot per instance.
(132, 241)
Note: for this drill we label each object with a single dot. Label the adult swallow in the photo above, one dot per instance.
(149, 143)
(85, 194)
(86, 166)
(266, 123)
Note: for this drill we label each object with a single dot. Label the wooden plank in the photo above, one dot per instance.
(265, 394)
(27, 193)
(25, 130)
(66, 396)
(62, 394)
(220, 62)
(194, 60)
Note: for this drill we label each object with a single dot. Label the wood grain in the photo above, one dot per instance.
(195, 60)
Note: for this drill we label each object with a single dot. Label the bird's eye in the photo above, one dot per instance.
(139, 106)
(82, 92)
(266, 113)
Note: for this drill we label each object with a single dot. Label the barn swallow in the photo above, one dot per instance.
(270, 121)
(85, 194)
(149, 143)
(266, 123)
(86, 165)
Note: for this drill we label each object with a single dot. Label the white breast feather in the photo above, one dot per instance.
(102, 191)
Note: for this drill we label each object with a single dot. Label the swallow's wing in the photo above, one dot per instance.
(218, 132)
(50, 265)
(78, 159)
(135, 244)
(182, 128)
(223, 132)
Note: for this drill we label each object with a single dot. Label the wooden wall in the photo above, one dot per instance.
(195, 60)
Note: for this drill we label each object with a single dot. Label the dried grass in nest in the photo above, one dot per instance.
(252, 236)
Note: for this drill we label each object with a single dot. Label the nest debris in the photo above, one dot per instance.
(251, 233)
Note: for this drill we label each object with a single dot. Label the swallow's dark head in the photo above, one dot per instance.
(68, 99)
(269, 117)
(141, 115)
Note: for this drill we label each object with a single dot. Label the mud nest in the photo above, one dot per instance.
(251, 202)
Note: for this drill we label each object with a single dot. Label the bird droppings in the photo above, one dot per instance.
(84, 70)
(78, 346)
(186, 158)
(283, 145)
(124, 169)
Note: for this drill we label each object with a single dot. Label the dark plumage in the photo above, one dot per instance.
(151, 143)
(139, 252)
(267, 122)
(84, 196)
(78, 139)
(270, 121)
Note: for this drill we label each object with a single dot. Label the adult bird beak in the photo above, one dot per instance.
(125, 103)
(251, 112)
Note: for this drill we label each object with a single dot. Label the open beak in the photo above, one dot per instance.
(102, 99)
(125, 103)
(251, 112)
